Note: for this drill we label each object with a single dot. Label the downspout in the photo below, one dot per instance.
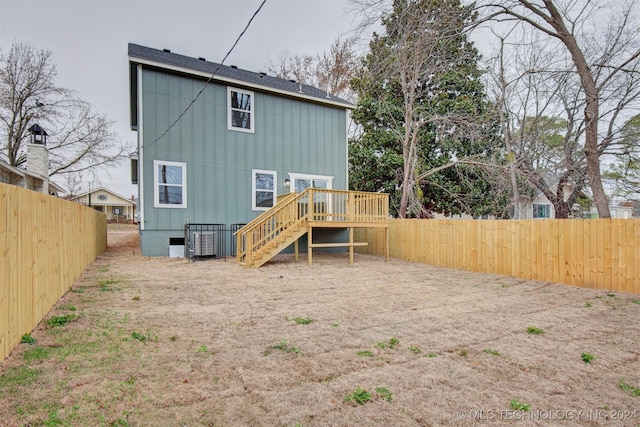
(140, 150)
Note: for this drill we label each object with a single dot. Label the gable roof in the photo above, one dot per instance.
(102, 189)
(232, 75)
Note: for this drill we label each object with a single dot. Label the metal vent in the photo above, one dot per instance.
(203, 242)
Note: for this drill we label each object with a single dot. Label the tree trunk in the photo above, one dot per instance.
(408, 182)
(562, 210)
(591, 110)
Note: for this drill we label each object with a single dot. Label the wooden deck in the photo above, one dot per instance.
(298, 214)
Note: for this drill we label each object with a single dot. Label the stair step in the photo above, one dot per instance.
(274, 246)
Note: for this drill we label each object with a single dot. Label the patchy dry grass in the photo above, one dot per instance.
(210, 343)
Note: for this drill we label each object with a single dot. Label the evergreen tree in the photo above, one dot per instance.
(428, 134)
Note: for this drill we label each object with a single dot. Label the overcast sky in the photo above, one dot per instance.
(88, 40)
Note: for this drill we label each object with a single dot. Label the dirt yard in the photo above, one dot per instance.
(166, 342)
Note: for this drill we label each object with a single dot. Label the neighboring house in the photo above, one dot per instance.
(224, 158)
(619, 211)
(114, 206)
(634, 206)
(35, 175)
(541, 208)
(22, 178)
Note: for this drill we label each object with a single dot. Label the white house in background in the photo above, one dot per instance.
(619, 211)
(114, 206)
(35, 175)
(541, 208)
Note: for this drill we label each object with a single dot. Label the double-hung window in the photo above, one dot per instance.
(240, 110)
(169, 184)
(263, 192)
(541, 211)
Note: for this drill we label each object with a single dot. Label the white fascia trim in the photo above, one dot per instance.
(238, 82)
(346, 145)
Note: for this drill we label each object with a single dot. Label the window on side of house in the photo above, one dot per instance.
(301, 182)
(541, 211)
(240, 110)
(322, 201)
(263, 192)
(169, 184)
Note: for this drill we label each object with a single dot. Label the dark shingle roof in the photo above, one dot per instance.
(252, 79)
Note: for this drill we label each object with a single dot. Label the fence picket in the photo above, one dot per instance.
(45, 245)
(595, 253)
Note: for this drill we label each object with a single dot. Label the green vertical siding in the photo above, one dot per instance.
(290, 136)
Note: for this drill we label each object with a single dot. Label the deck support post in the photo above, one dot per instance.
(350, 245)
(295, 250)
(309, 243)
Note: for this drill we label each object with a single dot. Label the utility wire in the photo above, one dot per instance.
(209, 79)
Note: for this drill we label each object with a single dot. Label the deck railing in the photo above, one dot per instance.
(313, 204)
(345, 206)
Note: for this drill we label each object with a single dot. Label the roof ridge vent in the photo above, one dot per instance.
(201, 58)
(166, 50)
(235, 67)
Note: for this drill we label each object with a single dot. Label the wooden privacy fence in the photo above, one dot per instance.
(45, 244)
(597, 253)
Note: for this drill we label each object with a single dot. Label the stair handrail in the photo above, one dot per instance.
(319, 205)
(261, 220)
(267, 213)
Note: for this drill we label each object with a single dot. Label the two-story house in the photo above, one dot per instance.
(218, 144)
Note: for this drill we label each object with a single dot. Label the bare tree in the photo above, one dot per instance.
(502, 90)
(602, 46)
(331, 71)
(79, 139)
(624, 173)
(538, 99)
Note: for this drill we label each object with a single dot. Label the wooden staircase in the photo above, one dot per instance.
(295, 215)
(277, 245)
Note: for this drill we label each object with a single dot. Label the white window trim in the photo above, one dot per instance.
(156, 184)
(251, 111)
(254, 189)
(329, 179)
(293, 176)
(547, 210)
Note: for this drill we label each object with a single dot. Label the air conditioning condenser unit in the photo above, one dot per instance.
(203, 243)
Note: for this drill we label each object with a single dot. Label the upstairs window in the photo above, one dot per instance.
(240, 114)
(170, 184)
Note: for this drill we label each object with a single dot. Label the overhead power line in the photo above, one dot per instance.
(209, 79)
